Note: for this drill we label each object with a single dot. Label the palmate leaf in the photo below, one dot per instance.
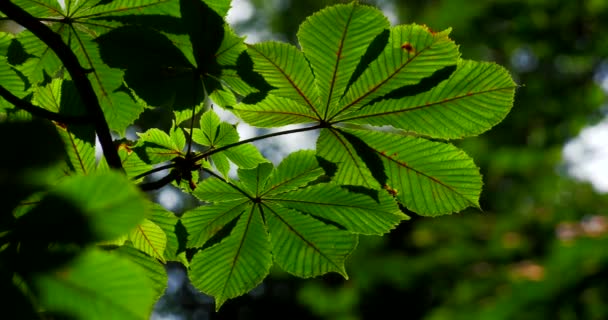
(93, 287)
(355, 70)
(238, 263)
(214, 133)
(308, 231)
(156, 146)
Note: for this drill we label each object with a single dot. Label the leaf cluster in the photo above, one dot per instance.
(384, 99)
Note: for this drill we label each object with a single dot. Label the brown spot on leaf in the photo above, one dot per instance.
(408, 47)
(390, 190)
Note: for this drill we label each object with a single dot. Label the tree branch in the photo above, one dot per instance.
(40, 112)
(77, 72)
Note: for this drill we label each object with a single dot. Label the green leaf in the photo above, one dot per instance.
(334, 40)
(254, 180)
(153, 269)
(237, 264)
(304, 246)
(295, 171)
(430, 178)
(333, 146)
(80, 147)
(474, 98)
(373, 213)
(245, 156)
(149, 238)
(215, 190)
(286, 69)
(216, 134)
(156, 146)
(97, 285)
(275, 111)
(354, 59)
(112, 203)
(167, 221)
(221, 162)
(244, 209)
(412, 53)
(206, 221)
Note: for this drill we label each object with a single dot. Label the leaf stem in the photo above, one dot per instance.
(161, 168)
(228, 146)
(40, 112)
(77, 72)
(270, 135)
(229, 183)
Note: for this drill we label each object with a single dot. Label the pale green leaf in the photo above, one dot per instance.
(221, 162)
(245, 156)
(304, 246)
(430, 178)
(274, 111)
(237, 264)
(254, 180)
(295, 171)
(373, 213)
(80, 152)
(214, 133)
(334, 40)
(286, 69)
(413, 53)
(150, 267)
(215, 190)
(156, 146)
(206, 221)
(476, 97)
(167, 221)
(333, 146)
(149, 238)
(97, 285)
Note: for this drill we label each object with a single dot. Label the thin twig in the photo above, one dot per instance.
(77, 72)
(40, 112)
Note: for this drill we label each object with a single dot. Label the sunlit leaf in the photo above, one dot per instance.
(373, 213)
(334, 40)
(93, 287)
(205, 222)
(305, 246)
(473, 99)
(167, 221)
(237, 264)
(430, 178)
(153, 269)
(148, 237)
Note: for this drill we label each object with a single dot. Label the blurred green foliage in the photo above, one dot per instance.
(539, 249)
